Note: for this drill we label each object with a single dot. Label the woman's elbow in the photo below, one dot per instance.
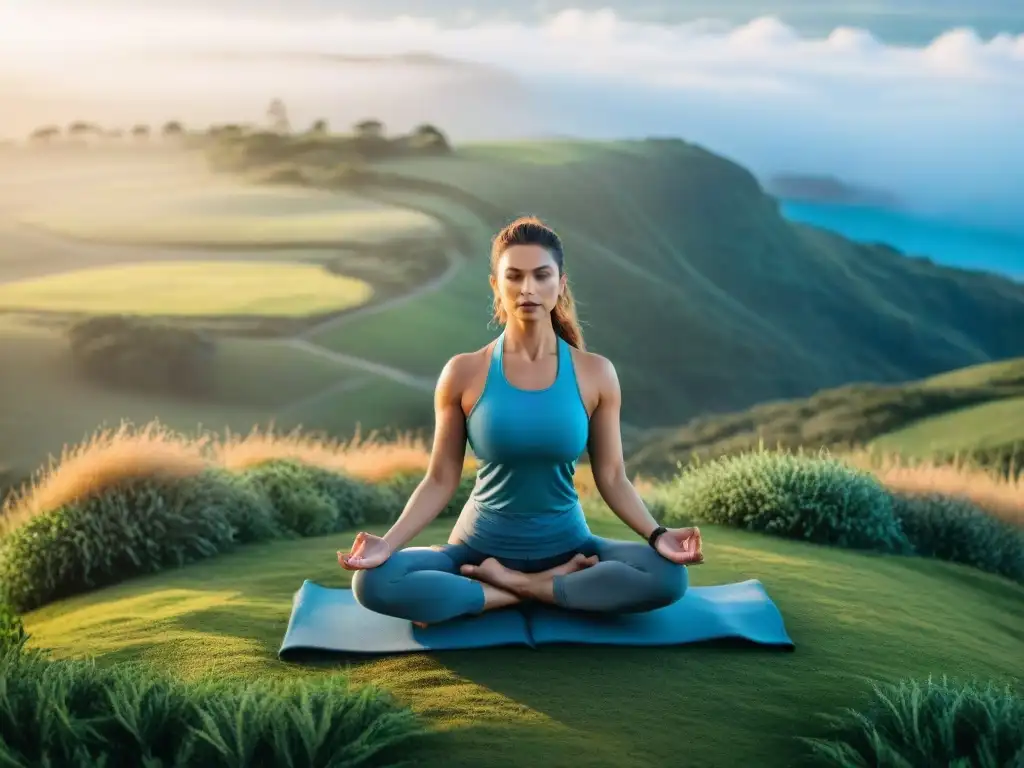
(444, 481)
(610, 479)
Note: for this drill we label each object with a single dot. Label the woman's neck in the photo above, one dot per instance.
(533, 340)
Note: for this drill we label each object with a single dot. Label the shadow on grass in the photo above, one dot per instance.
(244, 620)
(610, 706)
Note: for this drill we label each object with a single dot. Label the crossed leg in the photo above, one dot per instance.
(606, 576)
(428, 585)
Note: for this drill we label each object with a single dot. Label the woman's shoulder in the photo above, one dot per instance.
(594, 367)
(463, 369)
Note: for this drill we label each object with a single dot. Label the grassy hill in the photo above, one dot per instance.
(688, 278)
(858, 618)
(974, 412)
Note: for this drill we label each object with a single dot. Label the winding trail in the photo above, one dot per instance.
(455, 263)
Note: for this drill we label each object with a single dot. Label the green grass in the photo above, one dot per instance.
(365, 402)
(1000, 373)
(47, 407)
(421, 334)
(223, 214)
(989, 425)
(969, 410)
(853, 617)
(190, 288)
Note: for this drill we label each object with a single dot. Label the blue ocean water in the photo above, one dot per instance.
(944, 242)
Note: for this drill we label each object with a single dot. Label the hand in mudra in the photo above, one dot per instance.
(368, 551)
(681, 545)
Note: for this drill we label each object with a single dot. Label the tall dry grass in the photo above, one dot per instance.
(368, 458)
(114, 456)
(992, 492)
(110, 457)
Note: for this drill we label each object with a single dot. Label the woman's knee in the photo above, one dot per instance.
(671, 581)
(372, 587)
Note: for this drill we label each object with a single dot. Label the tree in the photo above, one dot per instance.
(319, 127)
(140, 132)
(81, 128)
(172, 129)
(277, 115)
(44, 134)
(428, 138)
(369, 129)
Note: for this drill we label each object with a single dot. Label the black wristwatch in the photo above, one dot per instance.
(653, 538)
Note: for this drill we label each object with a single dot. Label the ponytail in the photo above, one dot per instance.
(565, 322)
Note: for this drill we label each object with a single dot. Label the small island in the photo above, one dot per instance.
(827, 189)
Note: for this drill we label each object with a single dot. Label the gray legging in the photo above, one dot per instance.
(423, 584)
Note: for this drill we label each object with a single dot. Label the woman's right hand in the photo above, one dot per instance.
(368, 551)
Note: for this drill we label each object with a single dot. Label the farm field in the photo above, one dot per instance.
(189, 288)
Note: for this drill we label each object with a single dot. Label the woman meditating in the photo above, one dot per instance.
(529, 404)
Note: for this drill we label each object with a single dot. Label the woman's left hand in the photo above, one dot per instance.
(681, 545)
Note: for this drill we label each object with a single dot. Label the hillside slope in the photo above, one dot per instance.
(689, 278)
(976, 412)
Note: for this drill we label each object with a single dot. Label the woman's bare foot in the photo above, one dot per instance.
(538, 586)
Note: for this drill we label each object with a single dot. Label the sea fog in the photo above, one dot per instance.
(938, 125)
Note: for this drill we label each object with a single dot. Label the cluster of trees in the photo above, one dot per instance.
(280, 155)
(83, 132)
(143, 355)
(366, 138)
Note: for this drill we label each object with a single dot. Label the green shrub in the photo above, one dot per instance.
(141, 526)
(956, 530)
(147, 525)
(144, 355)
(312, 501)
(816, 499)
(73, 713)
(913, 724)
(12, 631)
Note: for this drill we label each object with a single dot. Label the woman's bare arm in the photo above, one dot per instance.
(606, 459)
(446, 458)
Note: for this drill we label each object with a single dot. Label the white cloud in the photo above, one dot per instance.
(940, 122)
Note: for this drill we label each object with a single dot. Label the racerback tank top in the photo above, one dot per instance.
(527, 443)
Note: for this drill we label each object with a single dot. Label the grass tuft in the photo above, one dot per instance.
(931, 723)
(75, 713)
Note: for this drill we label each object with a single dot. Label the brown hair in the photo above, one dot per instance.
(529, 230)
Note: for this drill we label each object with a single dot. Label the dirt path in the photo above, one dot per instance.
(455, 262)
(395, 374)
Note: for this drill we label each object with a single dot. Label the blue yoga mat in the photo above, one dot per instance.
(330, 620)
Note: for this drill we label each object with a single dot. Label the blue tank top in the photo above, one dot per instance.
(527, 443)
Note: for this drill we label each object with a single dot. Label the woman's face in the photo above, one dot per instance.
(527, 282)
